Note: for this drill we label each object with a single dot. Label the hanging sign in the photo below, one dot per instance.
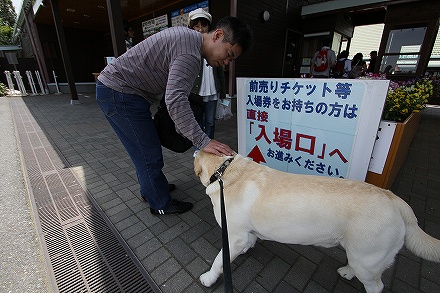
(310, 126)
(154, 25)
(180, 17)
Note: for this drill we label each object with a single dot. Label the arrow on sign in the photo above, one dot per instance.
(256, 155)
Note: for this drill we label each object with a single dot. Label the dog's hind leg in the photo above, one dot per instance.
(368, 273)
(372, 284)
(237, 244)
(346, 272)
(251, 243)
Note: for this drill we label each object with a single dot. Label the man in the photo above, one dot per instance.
(322, 62)
(373, 58)
(165, 63)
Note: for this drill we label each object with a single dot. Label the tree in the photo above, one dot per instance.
(7, 21)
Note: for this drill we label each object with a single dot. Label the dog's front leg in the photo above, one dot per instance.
(209, 278)
(236, 246)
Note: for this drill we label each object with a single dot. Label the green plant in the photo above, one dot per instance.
(435, 98)
(406, 98)
(3, 90)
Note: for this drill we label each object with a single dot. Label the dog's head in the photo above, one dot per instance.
(205, 164)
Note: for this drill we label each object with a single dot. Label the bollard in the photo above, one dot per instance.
(31, 82)
(40, 83)
(20, 84)
(56, 82)
(10, 82)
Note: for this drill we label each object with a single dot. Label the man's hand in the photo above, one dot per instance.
(218, 148)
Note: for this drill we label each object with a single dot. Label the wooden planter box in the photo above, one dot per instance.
(397, 152)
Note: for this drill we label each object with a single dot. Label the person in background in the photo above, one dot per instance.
(322, 62)
(343, 66)
(358, 66)
(372, 64)
(128, 35)
(210, 82)
(165, 64)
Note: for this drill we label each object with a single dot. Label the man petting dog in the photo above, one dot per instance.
(165, 63)
(370, 223)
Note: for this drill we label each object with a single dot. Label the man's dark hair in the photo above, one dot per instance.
(326, 43)
(236, 32)
(343, 54)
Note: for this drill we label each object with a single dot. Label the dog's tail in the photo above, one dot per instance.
(416, 240)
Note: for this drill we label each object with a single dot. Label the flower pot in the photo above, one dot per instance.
(398, 150)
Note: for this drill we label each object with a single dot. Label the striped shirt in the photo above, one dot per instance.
(166, 62)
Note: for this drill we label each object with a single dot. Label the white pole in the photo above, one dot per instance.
(20, 84)
(40, 82)
(10, 82)
(31, 82)
(56, 82)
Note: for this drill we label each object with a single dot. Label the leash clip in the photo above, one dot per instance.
(218, 175)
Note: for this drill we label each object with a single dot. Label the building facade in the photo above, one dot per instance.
(287, 33)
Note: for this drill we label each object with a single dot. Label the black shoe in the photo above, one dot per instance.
(177, 207)
(171, 187)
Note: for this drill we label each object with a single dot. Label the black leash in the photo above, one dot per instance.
(227, 275)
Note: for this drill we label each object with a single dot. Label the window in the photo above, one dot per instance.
(402, 53)
(434, 60)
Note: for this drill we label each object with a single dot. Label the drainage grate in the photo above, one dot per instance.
(84, 252)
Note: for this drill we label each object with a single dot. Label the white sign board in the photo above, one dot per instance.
(155, 25)
(310, 126)
(180, 17)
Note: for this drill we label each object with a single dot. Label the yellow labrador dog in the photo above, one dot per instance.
(370, 223)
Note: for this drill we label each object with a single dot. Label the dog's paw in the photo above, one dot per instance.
(346, 272)
(246, 249)
(207, 279)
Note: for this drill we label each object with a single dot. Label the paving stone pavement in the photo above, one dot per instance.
(176, 249)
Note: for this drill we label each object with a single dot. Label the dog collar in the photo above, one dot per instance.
(218, 174)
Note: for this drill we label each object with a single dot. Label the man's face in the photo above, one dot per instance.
(220, 53)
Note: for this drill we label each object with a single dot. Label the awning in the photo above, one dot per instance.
(10, 48)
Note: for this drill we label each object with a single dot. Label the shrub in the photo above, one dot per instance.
(3, 90)
(405, 97)
(409, 97)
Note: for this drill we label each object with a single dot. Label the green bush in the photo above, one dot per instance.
(3, 90)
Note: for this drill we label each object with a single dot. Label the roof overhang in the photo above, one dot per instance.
(339, 5)
(10, 48)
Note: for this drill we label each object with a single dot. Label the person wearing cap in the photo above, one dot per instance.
(166, 64)
(210, 82)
